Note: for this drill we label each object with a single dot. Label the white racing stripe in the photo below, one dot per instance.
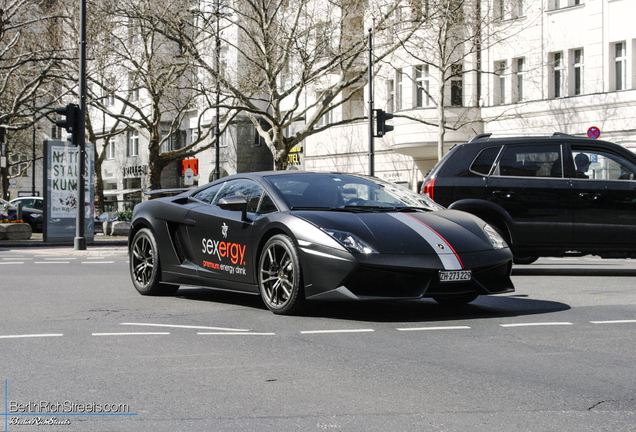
(449, 258)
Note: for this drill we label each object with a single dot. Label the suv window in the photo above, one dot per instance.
(484, 160)
(601, 165)
(531, 161)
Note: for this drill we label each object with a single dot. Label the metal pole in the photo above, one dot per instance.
(371, 155)
(33, 164)
(80, 227)
(217, 129)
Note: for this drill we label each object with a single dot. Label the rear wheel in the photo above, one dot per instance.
(279, 276)
(455, 300)
(144, 265)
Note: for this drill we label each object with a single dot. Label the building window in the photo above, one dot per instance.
(133, 143)
(500, 82)
(557, 75)
(133, 88)
(620, 66)
(520, 70)
(508, 9)
(577, 72)
(110, 150)
(457, 84)
(560, 4)
(398, 89)
(421, 86)
(390, 96)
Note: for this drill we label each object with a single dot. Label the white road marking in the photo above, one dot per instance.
(185, 327)
(59, 258)
(337, 331)
(434, 328)
(31, 336)
(537, 324)
(12, 262)
(97, 262)
(614, 322)
(131, 334)
(52, 262)
(236, 334)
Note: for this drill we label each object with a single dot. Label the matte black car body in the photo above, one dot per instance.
(548, 195)
(403, 249)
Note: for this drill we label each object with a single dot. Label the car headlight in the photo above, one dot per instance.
(350, 241)
(35, 215)
(497, 240)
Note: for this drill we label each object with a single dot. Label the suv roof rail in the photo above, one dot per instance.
(484, 136)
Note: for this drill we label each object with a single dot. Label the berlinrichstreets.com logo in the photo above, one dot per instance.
(54, 413)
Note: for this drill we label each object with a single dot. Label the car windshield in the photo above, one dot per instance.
(347, 192)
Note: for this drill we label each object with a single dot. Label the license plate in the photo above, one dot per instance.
(455, 276)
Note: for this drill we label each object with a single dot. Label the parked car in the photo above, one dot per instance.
(547, 195)
(292, 236)
(32, 216)
(31, 202)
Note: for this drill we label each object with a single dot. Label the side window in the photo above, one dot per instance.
(207, 195)
(267, 205)
(601, 165)
(531, 161)
(251, 190)
(484, 160)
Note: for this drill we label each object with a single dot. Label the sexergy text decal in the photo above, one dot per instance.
(229, 256)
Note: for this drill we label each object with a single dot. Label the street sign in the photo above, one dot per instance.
(594, 132)
(189, 176)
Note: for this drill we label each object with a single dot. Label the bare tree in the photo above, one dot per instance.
(449, 46)
(143, 83)
(286, 63)
(30, 56)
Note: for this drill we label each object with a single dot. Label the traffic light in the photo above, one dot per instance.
(71, 122)
(380, 120)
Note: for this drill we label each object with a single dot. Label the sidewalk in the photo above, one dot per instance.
(100, 246)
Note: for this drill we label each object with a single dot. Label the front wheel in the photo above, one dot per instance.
(144, 265)
(279, 276)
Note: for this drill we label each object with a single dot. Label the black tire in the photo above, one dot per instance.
(455, 300)
(515, 258)
(145, 270)
(523, 259)
(280, 277)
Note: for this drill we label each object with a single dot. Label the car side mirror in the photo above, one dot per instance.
(234, 203)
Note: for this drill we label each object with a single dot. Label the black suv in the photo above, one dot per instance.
(547, 195)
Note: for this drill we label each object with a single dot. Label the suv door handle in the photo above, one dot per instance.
(504, 194)
(589, 196)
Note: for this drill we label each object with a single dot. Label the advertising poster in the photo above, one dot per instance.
(61, 174)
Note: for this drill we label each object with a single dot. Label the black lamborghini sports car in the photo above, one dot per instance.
(294, 236)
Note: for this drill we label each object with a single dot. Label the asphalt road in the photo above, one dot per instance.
(77, 340)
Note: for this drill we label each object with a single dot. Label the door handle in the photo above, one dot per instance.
(504, 194)
(589, 196)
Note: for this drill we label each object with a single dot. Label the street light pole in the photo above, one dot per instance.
(371, 155)
(217, 129)
(80, 227)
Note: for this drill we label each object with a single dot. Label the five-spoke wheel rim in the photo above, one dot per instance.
(143, 260)
(277, 275)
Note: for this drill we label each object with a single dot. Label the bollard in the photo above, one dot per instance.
(18, 213)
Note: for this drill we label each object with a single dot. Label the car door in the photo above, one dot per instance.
(220, 240)
(604, 183)
(528, 183)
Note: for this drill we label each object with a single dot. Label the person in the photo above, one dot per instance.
(582, 162)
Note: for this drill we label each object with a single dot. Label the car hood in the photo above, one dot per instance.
(418, 232)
